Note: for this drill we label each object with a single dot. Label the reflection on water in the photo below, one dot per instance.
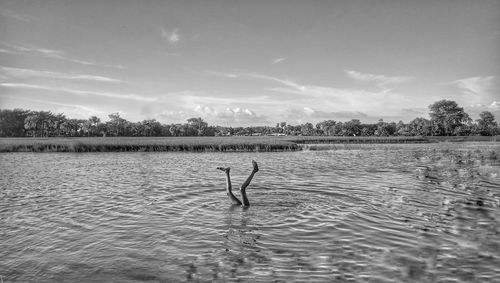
(383, 213)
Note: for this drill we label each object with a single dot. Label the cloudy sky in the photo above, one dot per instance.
(249, 62)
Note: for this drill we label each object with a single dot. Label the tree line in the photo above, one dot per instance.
(446, 119)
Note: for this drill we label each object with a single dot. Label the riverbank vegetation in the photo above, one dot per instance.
(446, 119)
(208, 144)
(117, 144)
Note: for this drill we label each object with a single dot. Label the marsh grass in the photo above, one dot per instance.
(355, 140)
(194, 144)
(123, 144)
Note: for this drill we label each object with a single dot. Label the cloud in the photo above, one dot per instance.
(70, 110)
(202, 109)
(23, 73)
(50, 53)
(495, 105)
(325, 97)
(278, 60)
(222, 74)
(380, 80)
(233, 112)
(191, 99)
(290, 86)
(228, 112)
(230, 115)
(14, 15)
(476, 109)
(171, 36)
(307, 113)
(323, 102)
(474, 85)
(80, 92)
(170, 116)
(235, 75)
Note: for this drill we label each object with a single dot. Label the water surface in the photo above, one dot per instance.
(358, 213)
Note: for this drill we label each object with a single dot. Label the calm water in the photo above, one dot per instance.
(361, 213)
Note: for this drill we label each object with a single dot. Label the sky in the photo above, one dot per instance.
(249, 63)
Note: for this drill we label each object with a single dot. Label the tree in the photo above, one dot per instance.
(486, 124)
(178, 130)
(307, 129)
(326, 127)
(12, 122)
(368, 129)
(31, 123)
(385, 129)
(446, 115)
(93, 125)
(196, 126)
(117, 126)
(352, 128)
(148, 128)
(338, 129)
(71, 127)
(419, 127)
(402, 129)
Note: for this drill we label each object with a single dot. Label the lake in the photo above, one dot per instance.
(347, 213)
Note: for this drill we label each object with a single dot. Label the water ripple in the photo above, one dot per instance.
(390, 213)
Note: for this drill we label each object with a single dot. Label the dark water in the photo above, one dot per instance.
(361, 213)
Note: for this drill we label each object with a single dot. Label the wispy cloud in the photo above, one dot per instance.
(235, 75)
(80, 92)
(307, 113)
(278, 60)
(380, 80)
(171, 116)
(203, 109)
(14, 15)
(191, 99)
(50, 53)
(172, 36)
(230, 115)
(495, 105)
(222, 74)
(474, 85)
(23, 73)
(327, 101)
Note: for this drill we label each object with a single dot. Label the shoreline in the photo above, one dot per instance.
(207, 144)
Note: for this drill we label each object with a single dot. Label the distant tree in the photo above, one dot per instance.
(486, 124)
(93, 124)
(283, 125)
(31, 123)
(352, 128)
(420, 127)
(12, 122)
(117, 126)
(446, 115)
(71, 127)
(368, 129)
(57, 120)
(175, 130)
(307, 129)
(210, 131)
(338, 129)
(326, 127)
(197, 126)
(402, 129)
(385, 129)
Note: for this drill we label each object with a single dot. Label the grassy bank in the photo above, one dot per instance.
(197, 144)
(362, 140)
(117, 144)
(464, 139)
